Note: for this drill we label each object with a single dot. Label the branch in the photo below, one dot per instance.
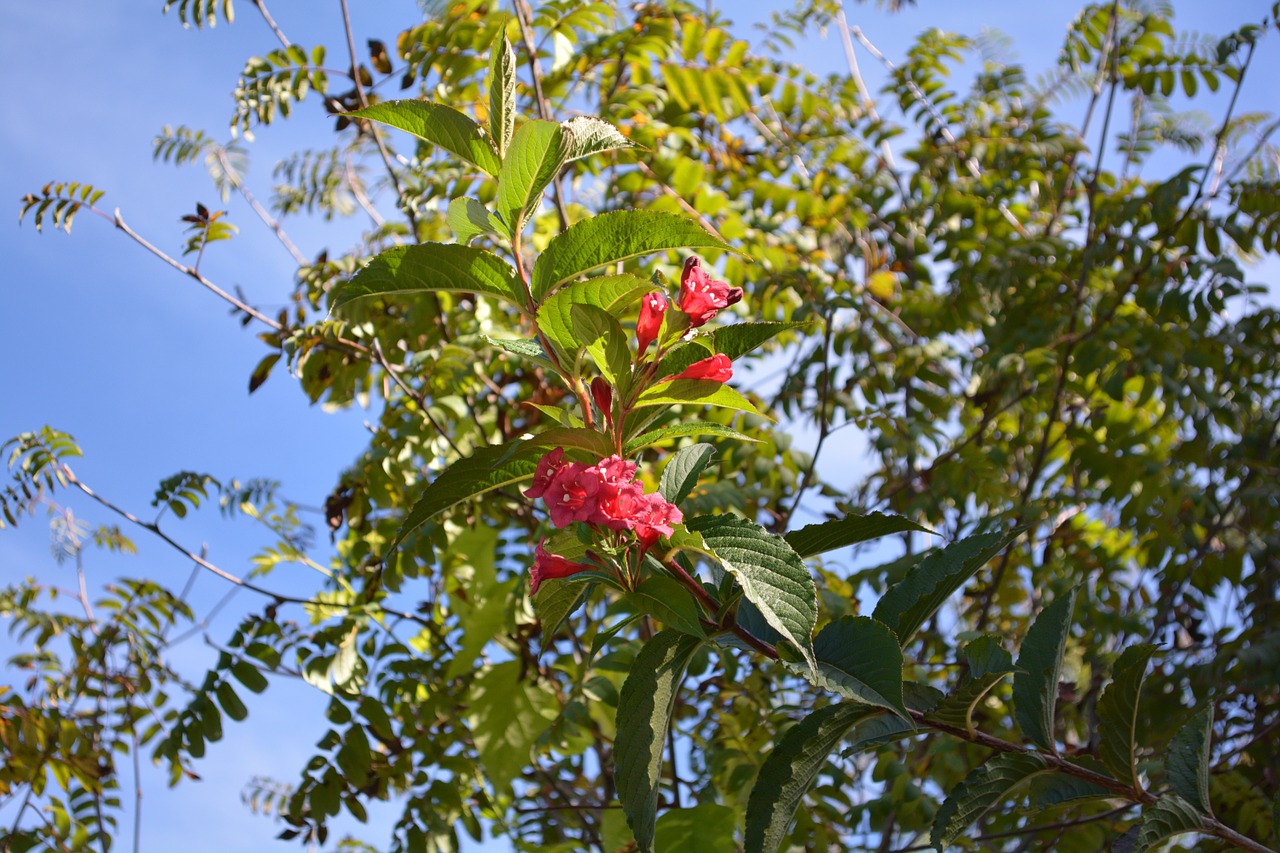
(540, 99)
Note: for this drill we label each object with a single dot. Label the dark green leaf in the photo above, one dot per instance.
(1035, 686)
(488, 468)
(1187, 763)
(981, 789)
(850, 530)
(682, 471)
(556, 599)
(439, 125)
(612, 237)
(592, 442)
(772, 576)
(678, 430)
(644, 713)
(1059, 788)
(1118, 713)
(908, 604)
(790, 769)
(734, 341)
(670, 603)
(249, 675)
(406, 270)
(1170, 816)
(861, 660)
(988, 664)
(230, 702)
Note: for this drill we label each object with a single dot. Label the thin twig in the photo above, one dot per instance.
(540, 99)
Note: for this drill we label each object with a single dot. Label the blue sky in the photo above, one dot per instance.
(147, 370)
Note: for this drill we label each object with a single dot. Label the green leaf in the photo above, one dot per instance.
(734, 341)
(531, 163)
(644, 713)
(405, 270)
(1035, 686)
(354, 757)
(591, 135)
(1058, 788)
(1170, 816)
(877, 731)
(522, 347)
(682, 471)
(699, 392)
(507, 714)
(1118, 713)
(490, 467)
(772, 576)
(502, 92)
(850, 530)
(230, 702)
(482, 614)
(861, 660)
(614, 294)
(670, 603)
(679, 430)
(592, 442)
(249, 675)
(983, 788)
(604, 340)
(705, 828)
(908, 604)
(468, 219)
(439, 125)
(612, 237)
(1187, 763)
(556, 599)
(790, 769)
(988, 664)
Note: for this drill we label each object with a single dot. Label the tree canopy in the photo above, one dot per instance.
(614, 257)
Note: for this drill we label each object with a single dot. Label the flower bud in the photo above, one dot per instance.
(602, 393)
(717, 368)
(652, 309)
(547, 565)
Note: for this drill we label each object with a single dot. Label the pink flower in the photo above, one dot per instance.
(571, 496)
(717, 368)
(652, 309)
(618, 505)
(701, 297)
(547, 565)
(548, 467)
(654, 519)
(615, 470)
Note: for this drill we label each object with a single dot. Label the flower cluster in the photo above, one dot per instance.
(604, 494)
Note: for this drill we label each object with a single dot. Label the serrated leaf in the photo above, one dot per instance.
(682, 471)
(771, 575)
(602, 336)
(556, 599)
(405, 270)
(490, 467)
(860, 659)
(644, 714)
(1035, 686)
(522, 347)
(468, 219)
(983, 788)
(592, 442)
(1118, 713)
(592, 135)
(1187, 762)
(842, 532)
(439, 125)
(988, 664)
(614, 294)
(878, 731)
(1059, 788)
(908, 604)
(609, 238)
(679, 430)
(734, 341)
(790, 769)
(670, 603)
(502, 92)
(530, 164)
(695, 392)
(1170, 816)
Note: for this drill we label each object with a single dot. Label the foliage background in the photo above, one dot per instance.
(144, 369)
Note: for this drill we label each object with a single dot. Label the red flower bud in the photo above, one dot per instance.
(652, 309)
(718, 368)
(701, 297)
(547, 565)
(602, 393)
